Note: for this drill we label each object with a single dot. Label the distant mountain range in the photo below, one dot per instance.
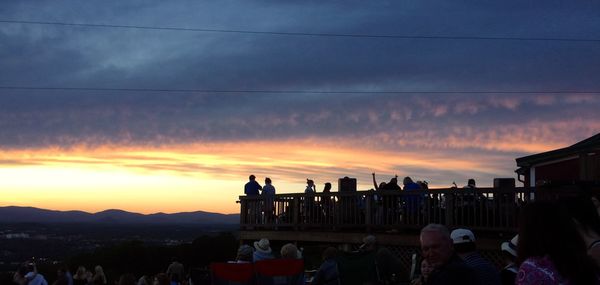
(14, 214)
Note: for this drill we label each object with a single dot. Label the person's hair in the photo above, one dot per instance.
(267, 180)
(465, 247)
(329, 253)
(407, 180)
(127, 279)
(245, 253)
(289, 250)
(80, 273)
(546, 229)
(582, 209)
(437, 228)
(100, 273)
(252, 177)
(327, 187)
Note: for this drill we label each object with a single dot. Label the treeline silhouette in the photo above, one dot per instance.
(139, 259)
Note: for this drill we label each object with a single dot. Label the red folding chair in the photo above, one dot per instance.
(232, 274)
(280, 272)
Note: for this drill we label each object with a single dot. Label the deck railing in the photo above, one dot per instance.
(490, 209)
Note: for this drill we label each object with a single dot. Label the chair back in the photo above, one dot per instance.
(232, 274)
(280, 272)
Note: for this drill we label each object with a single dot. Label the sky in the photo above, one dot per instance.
(168, 106)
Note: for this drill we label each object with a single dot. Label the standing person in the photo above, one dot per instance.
(470, 184)
(550, 251)
(381, 186)
(251, 189)
(393, 184)
(268, 194)
(409, 184)
(326, 202)
(175, 270)
(413, 201)
(464, 244)
(268, 189)
(309, 200)
(508, 274)
(437, 249)
(310, 187)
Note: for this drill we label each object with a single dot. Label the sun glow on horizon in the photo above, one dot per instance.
(207, 177)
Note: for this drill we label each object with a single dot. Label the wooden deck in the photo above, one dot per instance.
(491, 210)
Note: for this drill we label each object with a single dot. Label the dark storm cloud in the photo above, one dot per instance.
(45, 55)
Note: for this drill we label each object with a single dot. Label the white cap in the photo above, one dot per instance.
(462, 236)
(511, 246)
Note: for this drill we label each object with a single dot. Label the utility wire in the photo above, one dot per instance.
(300, 91)
(305, 34)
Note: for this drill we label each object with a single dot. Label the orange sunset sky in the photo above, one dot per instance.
(155, 106)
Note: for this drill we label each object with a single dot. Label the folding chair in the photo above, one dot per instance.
(280, 272)
(232, 274)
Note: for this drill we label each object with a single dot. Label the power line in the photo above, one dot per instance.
(299, 91)
(305, 34)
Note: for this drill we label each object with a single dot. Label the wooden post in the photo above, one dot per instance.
(450, 208)
(243, 212)
(368, 208)
(296, 212)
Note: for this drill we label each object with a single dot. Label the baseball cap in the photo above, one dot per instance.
(462, 236)
(511, 246)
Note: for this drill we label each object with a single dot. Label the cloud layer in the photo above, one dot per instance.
(436, 135)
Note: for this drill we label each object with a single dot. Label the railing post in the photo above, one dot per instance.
(296, 212)
(450, 207)
(243, 212)
(368, 209)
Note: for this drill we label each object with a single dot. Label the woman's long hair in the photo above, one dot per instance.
(545, 228)
(582, 209)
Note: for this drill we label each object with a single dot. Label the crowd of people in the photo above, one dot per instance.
(558, 242)
(387, 206)
(29, 275)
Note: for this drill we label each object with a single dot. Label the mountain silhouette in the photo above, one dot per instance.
(13, 214)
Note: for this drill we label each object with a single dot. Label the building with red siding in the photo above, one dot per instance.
(570, 165)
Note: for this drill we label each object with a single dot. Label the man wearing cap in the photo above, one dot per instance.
(437, 249)
(508, 274)
(262, 250)
(464, 245)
